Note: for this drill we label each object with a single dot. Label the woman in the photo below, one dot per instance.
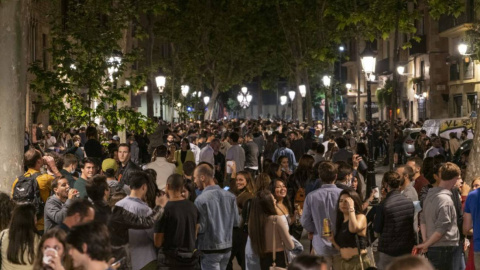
(183, 155)
(351, 231)
(244, 192)
(275, 172)
(6, 208)
(279, 190)
(189, 190)
(261, 182)
(283, 161)
(53, 245)
(298, 180)
(270, 146)
(152, 188)
(19, 253)
(331, 149)
(264, 227)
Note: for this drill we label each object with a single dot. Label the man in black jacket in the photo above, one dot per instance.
(394, 222)
(127, 166)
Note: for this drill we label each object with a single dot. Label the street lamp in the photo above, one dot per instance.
(283, 100)
(185, 89)
(369, 59)
(462, 48)
(244, 97)
(291, 95)
(206, 99)
(160, 80)
(326, 82)
(348, 86)
(401, 70)
(303, 90)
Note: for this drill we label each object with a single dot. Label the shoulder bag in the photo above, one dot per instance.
(274, 252)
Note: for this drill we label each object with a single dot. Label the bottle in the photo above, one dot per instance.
(326, 230)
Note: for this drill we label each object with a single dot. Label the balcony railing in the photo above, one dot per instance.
(448, 22)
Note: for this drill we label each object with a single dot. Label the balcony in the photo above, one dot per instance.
(419, 47)
(383, 66)
(449, 25)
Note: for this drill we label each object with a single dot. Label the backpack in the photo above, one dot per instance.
(300, 197)
(26, 190)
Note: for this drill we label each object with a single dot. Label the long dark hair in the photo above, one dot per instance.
(152, 188)
(56, 233)
(260, 209)
(6, 208)
(357, 201)
(304, 171)
(22, 234)
(272, 171)
(286, 200)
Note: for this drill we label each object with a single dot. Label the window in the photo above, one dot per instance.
(457, 105)
(468, 70)
(472, 102)
(422, 69)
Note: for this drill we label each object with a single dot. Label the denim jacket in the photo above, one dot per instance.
(218, 215)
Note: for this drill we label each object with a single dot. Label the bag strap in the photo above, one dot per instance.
(274, 252)
(359, 250)
(247, 204)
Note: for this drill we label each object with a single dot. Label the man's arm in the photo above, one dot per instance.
(158, 239)
(467, 224)
(202, 224)
(379, 220)
(307, 218)
(57, 213)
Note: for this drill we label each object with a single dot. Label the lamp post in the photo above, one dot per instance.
(184, 91)
(368, 58)
(160, 80)
(244, 98)
(335, 103)
(302, 89)
(326, 82)
(291, 94)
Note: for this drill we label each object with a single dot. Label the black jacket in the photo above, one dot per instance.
(394, 221)
(124, 173)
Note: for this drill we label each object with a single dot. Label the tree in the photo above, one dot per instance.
(88, 67)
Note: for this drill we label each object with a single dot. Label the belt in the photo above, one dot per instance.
(216, 251)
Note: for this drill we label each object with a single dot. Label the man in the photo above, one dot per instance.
(453, 144)
(207, 153)
(406, 187)
(218, 215)
(50, 141)
(163, 168)
(156, 138)
(394, 219)
(463, 136)
(471, 220)
(236, 152)
(70, 164)
(439, 222)
(89, 169)
(34, 162)
(251, 154)
(57, 204)
(142, 250)
(322, 204)
(99, 192)
(330, 139)
(220, 162)
(420, 181)
(90, 246)
(80, 211)
(171, 141)
(285, 151)
(342, 154)
(177, 229)
(127, 167)
(260, 141)
(297, 144)
(436, 148)
(351, 143)
(344, 176)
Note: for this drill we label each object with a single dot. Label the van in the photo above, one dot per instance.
(443, 127)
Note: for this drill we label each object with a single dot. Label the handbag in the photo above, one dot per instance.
(274, 253)
(297, 250)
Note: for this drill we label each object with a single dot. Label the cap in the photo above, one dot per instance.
(109, 163)
(116, 138)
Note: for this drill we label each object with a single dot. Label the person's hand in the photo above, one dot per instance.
(350, 202)
(49, 161)
(112, 265)
(310, 236)
(423, 248)
(465, 189)
(77, 144)
(372, 195)
(55, 263)
(356, 160)
(71, 193)
(161, 200)
(232, 166)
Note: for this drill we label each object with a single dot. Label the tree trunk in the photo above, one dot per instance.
(359, 79)
(308, 99)
(211, 104)
(148, 63)
(393, 100)
(14, 16)
(298, 108)
(259, 97)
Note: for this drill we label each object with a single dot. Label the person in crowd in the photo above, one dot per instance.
(270, 147)
(50, 141)
(92, 147)
(70, 164)
(142, 248)
(332, 148)
(99, 192)
(259, 139)
(6, 208)
(343, 154)
(207, 152)
(251, 155)
(319, 153)
(57, 204)
(453, 144)
(261, 182)
(307, 262)
(220, 162)
(177, 228)
(284, 151)
(407, 174)
(393, 221)
(321, 204)
(152, 189)
(189, 190)
(160, 164)
(183, 155)
(218, 215)
(265, 227)
(134, 150)
(297, 181)
(470, 223)
(440, 233)
(350, 140)
(79, 212)
(297, 144)
(344, 176)
(89, 169)
(236, 152)
(409, 262)
(18, 243)
(434, 179)
(90, 246)
(436, 148)
(127, 166)
(76, 148)
(416, 163)
(109, 169)
(351, 231)
(53, 246)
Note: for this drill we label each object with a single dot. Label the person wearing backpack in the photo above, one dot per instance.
(33, 186)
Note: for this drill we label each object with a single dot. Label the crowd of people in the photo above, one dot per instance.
(202, 195)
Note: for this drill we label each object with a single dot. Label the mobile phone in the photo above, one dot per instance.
(118, 262)
(226, 188)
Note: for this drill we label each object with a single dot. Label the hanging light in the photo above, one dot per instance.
(401, 70)
(240, 97)
(199, 94)
(206, 99)
(249, 98)
(179, 104)
(145, 88)
(160, 80)
(462, 48)
(303, 90)
(349, 86)
(326, 80)
(185, 89)
(369, 60)
(244, 90)
(291, 94)
(283, 100)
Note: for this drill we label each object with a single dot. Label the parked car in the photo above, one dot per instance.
(464, 147)
(410, 135)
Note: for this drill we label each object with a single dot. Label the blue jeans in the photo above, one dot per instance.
(446, 258)
(215, 261)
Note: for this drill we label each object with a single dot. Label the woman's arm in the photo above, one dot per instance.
(285, 237)
(357, 222)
